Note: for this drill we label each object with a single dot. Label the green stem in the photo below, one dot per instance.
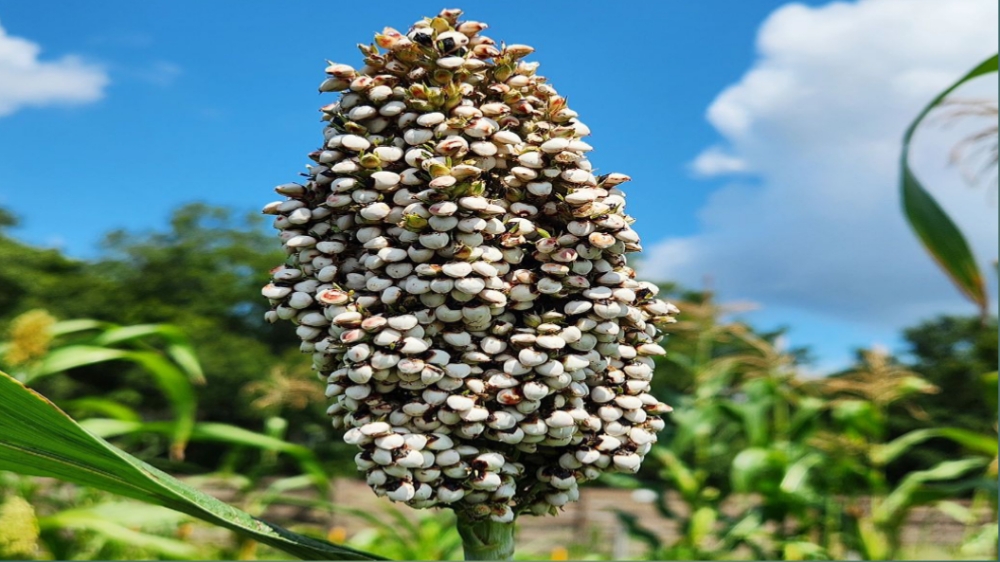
(486, 539)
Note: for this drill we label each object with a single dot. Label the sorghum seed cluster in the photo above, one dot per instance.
(458, 273)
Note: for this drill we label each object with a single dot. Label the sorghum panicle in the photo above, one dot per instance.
(458, 273)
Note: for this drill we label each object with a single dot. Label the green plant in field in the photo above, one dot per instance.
(431, 536)
(117, 529)
(39, 347)
(952, 353)
(46, 347)
(938, 486)
(770, 465)
(750, 415)
(43, 348)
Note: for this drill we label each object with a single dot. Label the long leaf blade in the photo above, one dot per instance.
(74, 356)
(936, 231)
(39, 439)
(980, 443)
(215, 432)
(118, 531)
(174, 383)
(66, 327)
(178, 346)
(943, 240)
(894, 506)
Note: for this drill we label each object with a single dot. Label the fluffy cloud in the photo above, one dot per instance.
(818, 119)
(715, 161)
(27, 81)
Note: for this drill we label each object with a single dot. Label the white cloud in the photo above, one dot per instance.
(715, 161)
(818, 119)
(25, 80)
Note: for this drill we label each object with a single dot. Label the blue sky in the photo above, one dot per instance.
(714, 108)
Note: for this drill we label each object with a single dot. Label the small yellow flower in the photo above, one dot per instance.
(18, 529)
(30, 336)
(559, 553)
(337, 535)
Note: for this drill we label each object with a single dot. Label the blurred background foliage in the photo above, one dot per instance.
(158, 344)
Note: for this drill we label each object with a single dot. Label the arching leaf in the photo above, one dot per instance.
(39, 439)
(936, 231)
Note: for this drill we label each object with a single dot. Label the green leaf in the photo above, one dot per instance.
(943, 240)
(804, 550)
(73, 356)
(102, 406)
(681, 360)
(171, 380)
(893, 508)
(66, 327)
(218, 433)
(873, 543)
(956, 511)
(137, 514)
(797, 475)
(701, 525)
(39, 439)
(178, 346)
(258, 501)
(805, 418)
(618, 480)
(982, 544)
(752, 468)
(933, 227)
(752, 415)
(978, 442)
(118, 523)
(674, 468)
(858, 415)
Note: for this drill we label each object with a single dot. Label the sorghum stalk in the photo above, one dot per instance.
(458, 273)
(485, 539)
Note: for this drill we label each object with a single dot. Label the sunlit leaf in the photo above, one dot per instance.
(933, 227)
(956, 511)
(891, 509)
(803, 550)
(103, 406)
(178, 346)
(977, 442)
(797, 475)
(675, 469)
(39, 439)
(66, 327)
(805, 417)
(217, 433)
(120, 523)
(74, 356)
(750, 467)
(175, 385)
(702, 523)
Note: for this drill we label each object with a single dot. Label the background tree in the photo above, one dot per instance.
(202, 273)
(953, 353)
